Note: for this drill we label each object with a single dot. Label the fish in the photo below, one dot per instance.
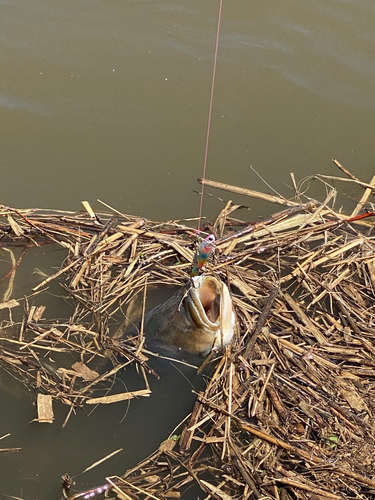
(204, 250)
(196, 319)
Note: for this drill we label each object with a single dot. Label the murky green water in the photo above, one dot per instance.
(110, 101)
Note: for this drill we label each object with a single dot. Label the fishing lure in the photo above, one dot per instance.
(204, 250)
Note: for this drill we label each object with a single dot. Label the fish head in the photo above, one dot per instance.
(211, 308)
(196, 319)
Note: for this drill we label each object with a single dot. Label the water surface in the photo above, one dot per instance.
(110, 100)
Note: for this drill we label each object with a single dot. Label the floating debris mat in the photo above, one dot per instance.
(288, 412)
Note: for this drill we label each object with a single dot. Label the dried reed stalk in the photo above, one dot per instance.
(289, 411)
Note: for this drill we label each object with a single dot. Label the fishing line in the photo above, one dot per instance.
(209, 115)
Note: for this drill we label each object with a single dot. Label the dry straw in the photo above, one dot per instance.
(289, 409)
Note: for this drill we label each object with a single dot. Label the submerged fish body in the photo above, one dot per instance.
(195, 319)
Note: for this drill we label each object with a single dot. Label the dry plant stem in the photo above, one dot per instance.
(305, 319)
(131, 486)
(15, 265)
(365, 197)
(260, 324)
(301, 486)
(141, 333)
(98, 238)
(261, 224)
(277, 404)
(345, 170)
(227, 433)
(309, 457)
(282, 444)
(54, 276)
(302, 369)
(264, 388)
(248, 192)
(188, 432)
(334, 178)
(20, 214)
(241, 464)
(9, 289)
(115, 398)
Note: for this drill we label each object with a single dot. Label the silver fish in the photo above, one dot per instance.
(196, 318)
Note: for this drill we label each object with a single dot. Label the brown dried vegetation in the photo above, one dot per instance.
(289, 410)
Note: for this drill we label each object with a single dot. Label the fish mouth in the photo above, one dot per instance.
(210, 305)
(196, 319)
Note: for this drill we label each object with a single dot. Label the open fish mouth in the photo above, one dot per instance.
(196, 319)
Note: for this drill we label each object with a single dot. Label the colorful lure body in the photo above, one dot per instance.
(206, 247)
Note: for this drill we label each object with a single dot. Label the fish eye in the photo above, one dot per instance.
(210, 238)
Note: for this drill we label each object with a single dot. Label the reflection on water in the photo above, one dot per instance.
(110, 101)
(23, 105)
